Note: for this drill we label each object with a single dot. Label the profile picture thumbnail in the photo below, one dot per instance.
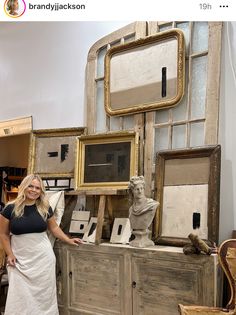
(14, 8)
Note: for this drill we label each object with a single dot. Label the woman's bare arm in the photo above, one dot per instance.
(5, 240)
(58, 233)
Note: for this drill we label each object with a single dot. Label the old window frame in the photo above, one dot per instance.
(211, 118)
(144, 123)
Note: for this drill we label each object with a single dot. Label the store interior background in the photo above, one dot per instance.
(42, 74)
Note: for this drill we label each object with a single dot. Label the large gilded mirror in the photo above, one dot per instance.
(146, 74)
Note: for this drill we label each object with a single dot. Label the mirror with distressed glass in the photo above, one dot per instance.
(146, 74)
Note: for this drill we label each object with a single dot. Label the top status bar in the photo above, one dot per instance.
(111, 10)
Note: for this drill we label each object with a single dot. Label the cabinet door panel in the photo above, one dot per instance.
(96, 282)
(162, 284)
(60, 277)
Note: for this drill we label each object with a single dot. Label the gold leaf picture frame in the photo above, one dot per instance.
(106, 160)
(146, 74)
(52, 152)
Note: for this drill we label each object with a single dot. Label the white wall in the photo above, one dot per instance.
(227, 134)
(42, 71)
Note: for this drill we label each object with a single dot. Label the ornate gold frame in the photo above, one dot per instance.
(36, 135)
(175, 34)
(101, 139)
(212, 154)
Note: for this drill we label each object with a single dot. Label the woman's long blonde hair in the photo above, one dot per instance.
(42, 203)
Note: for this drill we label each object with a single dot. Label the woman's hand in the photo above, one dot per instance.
(11, 260)
(74, 241)
(58, 233)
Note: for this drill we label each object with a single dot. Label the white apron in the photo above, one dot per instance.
(32, 283)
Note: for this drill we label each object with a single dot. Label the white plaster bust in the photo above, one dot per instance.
(141, 212)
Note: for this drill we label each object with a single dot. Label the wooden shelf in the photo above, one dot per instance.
(98, 192)
(11, 195)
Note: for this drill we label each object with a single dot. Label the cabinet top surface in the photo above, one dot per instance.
(116, 248)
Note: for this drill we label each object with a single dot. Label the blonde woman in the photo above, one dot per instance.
(30, 257)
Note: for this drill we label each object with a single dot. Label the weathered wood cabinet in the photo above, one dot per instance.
(117, 279)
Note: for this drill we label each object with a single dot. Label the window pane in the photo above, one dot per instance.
(129, 38)
(100, 62)
(165, 27)
(115, 43)
(100, 115)
(197, 134)
(162, 116)
(178, 137)
(121, 123)
(200, 37)
(179, 111)
(199, 77)
(128, 122)
(114, 123)
(185, 28)
(161, 139)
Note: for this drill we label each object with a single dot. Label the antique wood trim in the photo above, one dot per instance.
(137, 28)
(139, 128)
(213, 83)
(100, 220)
(214, 154)
(91, 94)
(16, 126)
(149, 152)
(36, 135)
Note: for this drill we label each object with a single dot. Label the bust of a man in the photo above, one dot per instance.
(141, 212)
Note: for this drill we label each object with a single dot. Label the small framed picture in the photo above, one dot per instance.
(90, 231)
(106, 160)
(80, 215)
(52, 152)
(79, 221)
(121, 231)
(78, 227)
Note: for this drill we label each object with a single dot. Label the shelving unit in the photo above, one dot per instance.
(11, 182)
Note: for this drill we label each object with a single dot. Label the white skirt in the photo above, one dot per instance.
(32, 283)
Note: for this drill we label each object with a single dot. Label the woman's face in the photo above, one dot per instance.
(33, 191)
(138, 191)
(15, 5)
